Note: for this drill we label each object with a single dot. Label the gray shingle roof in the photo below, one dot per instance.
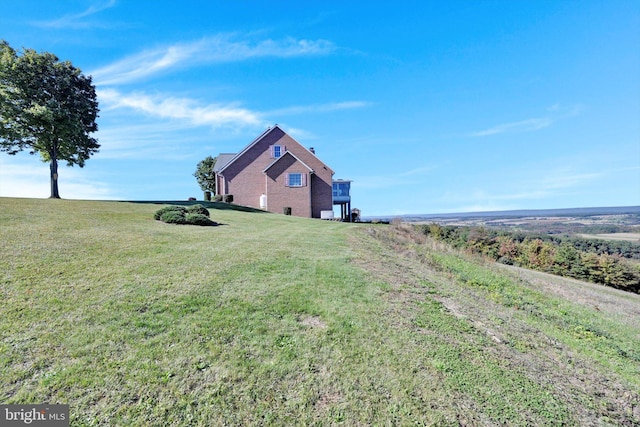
(222, 160)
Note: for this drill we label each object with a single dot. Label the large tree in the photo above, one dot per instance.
(205, 175)
(48, 107)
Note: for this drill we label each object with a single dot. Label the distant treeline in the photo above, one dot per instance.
(594, 260)
(573, 228)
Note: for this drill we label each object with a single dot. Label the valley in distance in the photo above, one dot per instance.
(609, 223)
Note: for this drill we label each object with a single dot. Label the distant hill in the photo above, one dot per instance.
(616, 210)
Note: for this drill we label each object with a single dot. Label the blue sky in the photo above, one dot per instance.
(428, 106)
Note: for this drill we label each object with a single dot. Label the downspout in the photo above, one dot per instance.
(266, 192)
(223, 182)
(310, 194)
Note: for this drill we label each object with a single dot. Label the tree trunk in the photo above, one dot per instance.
(54, 174)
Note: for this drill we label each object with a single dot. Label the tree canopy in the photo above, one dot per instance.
(48, 107)
(205, 175)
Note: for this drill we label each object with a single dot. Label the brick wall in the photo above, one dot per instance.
(246, 180)
(280, 196)
(244, 177)
(321, 181)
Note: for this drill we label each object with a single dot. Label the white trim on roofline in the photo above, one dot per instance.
(254, 142)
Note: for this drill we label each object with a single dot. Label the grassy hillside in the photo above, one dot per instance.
(275, 320)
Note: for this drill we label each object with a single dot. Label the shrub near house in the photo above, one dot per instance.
(194, 215)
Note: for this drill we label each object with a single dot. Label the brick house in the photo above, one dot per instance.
(275, 172)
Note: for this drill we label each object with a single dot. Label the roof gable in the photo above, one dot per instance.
(248, 147)
(266, 133)
(288, 153)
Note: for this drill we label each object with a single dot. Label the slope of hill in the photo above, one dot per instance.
(274, 320)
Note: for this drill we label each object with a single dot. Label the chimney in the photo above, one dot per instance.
(313, 150)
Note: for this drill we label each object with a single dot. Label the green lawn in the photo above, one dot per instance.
(276, 320)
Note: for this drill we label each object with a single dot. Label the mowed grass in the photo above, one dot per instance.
(531, 332)
(263, 320)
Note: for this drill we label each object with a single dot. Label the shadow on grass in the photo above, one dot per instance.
(214, 224)
(209, 205)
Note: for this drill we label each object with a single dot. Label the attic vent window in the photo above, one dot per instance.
(277, 151)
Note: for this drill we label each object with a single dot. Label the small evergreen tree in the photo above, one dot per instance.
(205, 175)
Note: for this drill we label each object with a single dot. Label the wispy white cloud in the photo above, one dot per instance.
(482, 207)
(153, 141)
(19, 179)
(421, 171)
(219, 48)
(526, 188)
(549, 184)
(297, 133)
(562, 111)
(566, 179)
(376, 182)
(556, 112)
(25, 176)
(185, 109)
(520, 126)
(76, 20)
(179, 114)
(319, 108)
(398, 179)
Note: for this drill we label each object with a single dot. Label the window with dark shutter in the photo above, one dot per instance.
(276, 151)
(295, 180)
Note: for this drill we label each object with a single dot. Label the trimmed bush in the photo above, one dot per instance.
(174, 217)
(217, 198)
(198, 219)
(198, 209)
(227, 198)
(160, 212)
(195, 215)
